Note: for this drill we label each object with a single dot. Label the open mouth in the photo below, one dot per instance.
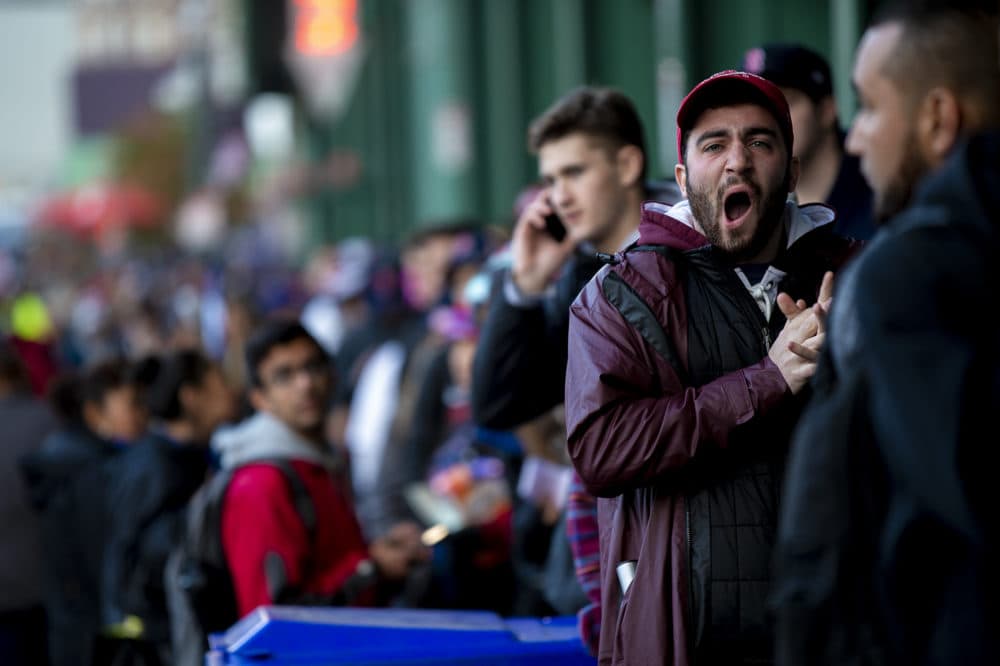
(737, 205)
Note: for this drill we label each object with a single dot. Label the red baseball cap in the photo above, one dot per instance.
(728, 88)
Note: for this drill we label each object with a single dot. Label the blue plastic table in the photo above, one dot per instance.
(297, 636)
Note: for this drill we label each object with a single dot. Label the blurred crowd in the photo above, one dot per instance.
(732, 417)
(399, 326)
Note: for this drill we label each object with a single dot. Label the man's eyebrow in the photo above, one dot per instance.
(712, 134)
(721, 133)
(756, 131)
(572, 166)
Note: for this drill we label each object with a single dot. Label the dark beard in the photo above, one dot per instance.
(706, 209)
(897, 196)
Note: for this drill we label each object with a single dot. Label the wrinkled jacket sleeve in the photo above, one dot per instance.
(629, 427)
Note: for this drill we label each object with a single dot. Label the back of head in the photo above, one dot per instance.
(951, 44)
(601, 113)
(104, 377)
(273, 333)
(64, 396)
(162, 378)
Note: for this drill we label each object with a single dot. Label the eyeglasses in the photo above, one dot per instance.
(283, 375)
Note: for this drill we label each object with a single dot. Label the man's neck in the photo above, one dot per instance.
(775, 244)
(181, 432)
(628, 222)
(819, 173)
(313, 435)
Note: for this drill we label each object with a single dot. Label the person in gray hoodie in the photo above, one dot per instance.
(272, 556)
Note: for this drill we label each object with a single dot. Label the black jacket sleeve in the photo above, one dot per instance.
(520, 366)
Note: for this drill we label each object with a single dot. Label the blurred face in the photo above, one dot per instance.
(119, 417)
(296, 385)
(883, 134)
(211, 403)
(588, 186)
(425, 269)
(736, 175)
(811, 122)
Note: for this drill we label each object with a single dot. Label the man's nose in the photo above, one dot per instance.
(737, 157)
(561, 193)
(852, 143)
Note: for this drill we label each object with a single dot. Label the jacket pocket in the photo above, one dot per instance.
(624, 623)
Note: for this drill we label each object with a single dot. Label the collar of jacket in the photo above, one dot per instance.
(674, 226)
(265, 436)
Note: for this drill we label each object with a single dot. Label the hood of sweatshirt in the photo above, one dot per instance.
(674, 226)
(264, 436)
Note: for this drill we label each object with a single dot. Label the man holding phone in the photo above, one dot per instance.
(592, 163)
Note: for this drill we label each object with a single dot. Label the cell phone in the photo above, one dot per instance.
(555, 227)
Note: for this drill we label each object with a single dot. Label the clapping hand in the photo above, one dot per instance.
(796, 350)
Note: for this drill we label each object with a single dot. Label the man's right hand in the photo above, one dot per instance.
(796, 350)
(537, 256)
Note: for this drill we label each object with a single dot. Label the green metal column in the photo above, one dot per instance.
(674, 53)
(633, 69)
(386, 142)
(569, 50)
(502, 105)
(441, 65)
(845, 32)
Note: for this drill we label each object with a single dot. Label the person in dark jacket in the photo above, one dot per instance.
(887, 550)
(828, 173)
(27, 421)
(68, 482)
(592, 162)
(151, 483)
(688, 357)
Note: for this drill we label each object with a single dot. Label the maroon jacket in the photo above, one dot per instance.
(646, 436)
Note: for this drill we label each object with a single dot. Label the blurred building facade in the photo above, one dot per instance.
(369, 117)
(433, 124)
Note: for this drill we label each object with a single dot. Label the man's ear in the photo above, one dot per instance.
(939, 123)
(680, 175)
(630, 161)
(828, 113)
(188, 396)
(93, 417)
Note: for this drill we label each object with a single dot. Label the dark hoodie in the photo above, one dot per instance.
(887, 551)
(67, 479)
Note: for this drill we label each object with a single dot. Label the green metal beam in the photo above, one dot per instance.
(569, 44)
(441, 66)
(503, 107)
(674, 55)
(845, 32)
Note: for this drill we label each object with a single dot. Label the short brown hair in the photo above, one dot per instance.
(602, 113)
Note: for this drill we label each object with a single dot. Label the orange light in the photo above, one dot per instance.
(325, 27)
